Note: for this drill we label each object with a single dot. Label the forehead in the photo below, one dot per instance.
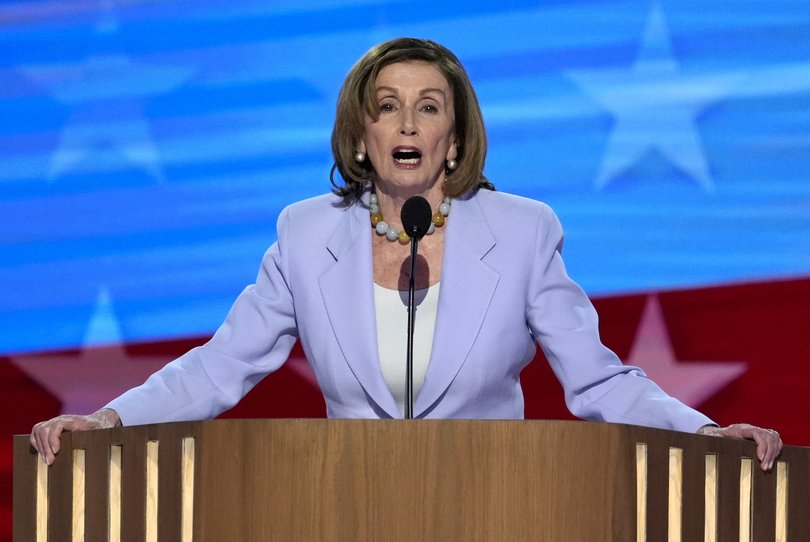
(415, 74)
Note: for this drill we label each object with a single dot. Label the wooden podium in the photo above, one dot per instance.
(324, 480)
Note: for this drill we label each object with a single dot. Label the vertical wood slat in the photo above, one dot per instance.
(657, 491)
(187, 489)
(728, 498)
(798, 500)
(781, 520)
(746, 498)
(694, 469)
(133, 485)
(60, 491)
(763, 522)
(641, 492)
(78, 496)
(96, 467)
(41, 527)
(675, 495)
(169, 488)
(24, 489)
(151, 494)
(710, 499)
(114, 494)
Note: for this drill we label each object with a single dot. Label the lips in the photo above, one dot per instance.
(406, 156)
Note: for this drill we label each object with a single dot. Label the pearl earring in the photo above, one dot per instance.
(452, 164)
(360, 157)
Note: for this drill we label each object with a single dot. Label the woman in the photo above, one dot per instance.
(491, 283)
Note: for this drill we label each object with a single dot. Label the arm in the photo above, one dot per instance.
(254, 340)
(597, 385)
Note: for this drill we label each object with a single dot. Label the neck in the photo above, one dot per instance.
(391, 201)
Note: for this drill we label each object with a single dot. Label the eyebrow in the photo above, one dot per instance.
(421, 92)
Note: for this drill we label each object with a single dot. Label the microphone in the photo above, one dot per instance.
(415, 216)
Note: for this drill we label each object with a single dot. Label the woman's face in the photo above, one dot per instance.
(414, 136)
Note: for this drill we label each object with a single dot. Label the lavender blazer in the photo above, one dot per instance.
(504, 289)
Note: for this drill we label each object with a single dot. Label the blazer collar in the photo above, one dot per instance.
(347, 288)
(467, 287)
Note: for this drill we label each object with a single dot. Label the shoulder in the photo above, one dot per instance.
(320, 213)
(510, 210)
(315, 207)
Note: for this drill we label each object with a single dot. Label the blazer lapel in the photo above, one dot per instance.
(347, 289)
(467, 287)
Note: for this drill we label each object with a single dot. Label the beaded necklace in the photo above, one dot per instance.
(382, 227)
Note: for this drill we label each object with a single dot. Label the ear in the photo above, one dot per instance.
(361, 146)
(452, 152)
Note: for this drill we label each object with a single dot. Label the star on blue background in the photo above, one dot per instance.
(655, 106)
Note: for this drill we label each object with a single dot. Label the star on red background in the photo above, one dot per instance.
(694, 382)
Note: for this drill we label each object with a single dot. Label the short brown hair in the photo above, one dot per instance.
(357, 95)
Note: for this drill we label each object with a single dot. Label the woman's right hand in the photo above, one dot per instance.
(45, 436)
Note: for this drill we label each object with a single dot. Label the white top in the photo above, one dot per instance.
(392, 336)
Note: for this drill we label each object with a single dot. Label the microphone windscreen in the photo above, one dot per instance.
(416, 215)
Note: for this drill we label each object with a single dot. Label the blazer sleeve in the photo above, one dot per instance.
(255, 339)
(564, 322)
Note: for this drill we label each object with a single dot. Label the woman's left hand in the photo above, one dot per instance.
(769, 443)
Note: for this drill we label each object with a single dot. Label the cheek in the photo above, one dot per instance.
(372, 138)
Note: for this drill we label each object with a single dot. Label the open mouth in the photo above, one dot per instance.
(407, 157)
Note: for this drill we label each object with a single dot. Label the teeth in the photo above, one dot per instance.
(407, 157)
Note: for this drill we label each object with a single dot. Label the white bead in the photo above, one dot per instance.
(360, 157)
(444, 209)
(447, 200)
(392, 234)
(431, 229)
(372, 199)
(374, 208)
(381, 227)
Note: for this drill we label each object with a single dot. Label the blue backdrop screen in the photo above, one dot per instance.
(148, 147)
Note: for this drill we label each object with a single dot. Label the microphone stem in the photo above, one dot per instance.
(411, 311)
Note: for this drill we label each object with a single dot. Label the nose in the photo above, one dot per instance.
(408, 125)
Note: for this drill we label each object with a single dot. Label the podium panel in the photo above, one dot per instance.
(329, 480)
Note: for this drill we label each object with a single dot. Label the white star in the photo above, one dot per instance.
(106, 95)
(693, 382)
(106, 129)
(655, 107)
(87, 379)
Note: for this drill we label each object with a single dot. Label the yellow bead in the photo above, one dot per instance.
(438, 219)
(375, 219)
(403, 237)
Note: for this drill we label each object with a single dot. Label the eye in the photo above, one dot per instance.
(386, 107)
(430, 108)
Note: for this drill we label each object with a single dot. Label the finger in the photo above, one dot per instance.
(771, 445)
(760, 437)
(32, 438)
(42, 445)
(54, 435)
(774, 448)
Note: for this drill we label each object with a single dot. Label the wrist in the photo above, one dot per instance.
(108, 418)
(710, 430)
